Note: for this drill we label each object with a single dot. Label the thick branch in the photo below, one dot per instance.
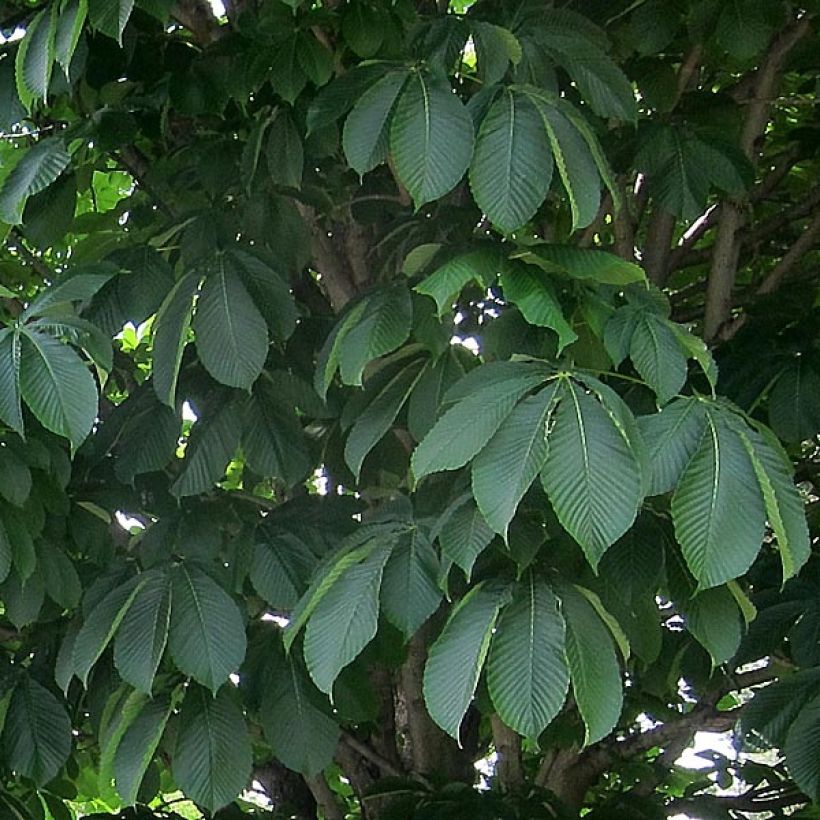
(324, 797)
(507, 744)
(727, 246)
(198, 17)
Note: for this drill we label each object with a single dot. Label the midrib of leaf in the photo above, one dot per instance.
(715, 476)
(211, 760)
(56, 382)
(584, 446)
(223, 289)
(558, 155)
(531, 665)
(201, 623)
(508, 163)
(427, 127)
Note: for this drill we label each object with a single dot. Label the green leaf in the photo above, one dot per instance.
(37, 732)
(287, 77)
(794, 402)
(455, 659)
(713, 617)
(379, 415)
(535, 297)
(802, 749)
(281, 567)
(527, 673)
(466, 428)
(22, 598)
(296, 722)
(576, 165)
(363, 28)
(212, 444)
(11, 411)
(337, 98)
(207, 635)
(344, 620)
(60, 579)
(365, 134)
(446, 282)
(431, 138)
(658, 357)
(381, 327)
(512, 167)
(785, 510)
(110, 16)
(672, 437)
(138, 746)
(39, 167)
(171, 328)
(272, 438)
(744, 29)
(591, 474)
(121, 709)
(69, 28)
(718, 508)
(15, 477)
(6, 553)
(464, 534)
(496, 48)
(284, 152)
(78, 286)
(774, 708)
(58, 388)
(101, 624)
(213, 757)
(231, 335)
(409, 592)
(35, 57)
(354, 549)
(504, 470)
(143, 633)
(593, 665)
(602, 84)
(583, 263)
(315, 59)
(269, 290)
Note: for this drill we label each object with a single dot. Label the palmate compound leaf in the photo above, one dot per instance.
(297, 720)
(484, 399)
(231, 335)
(456, 658)
(527, 671)
(718, 508)
(431, 137)
(37, 732)
(213, 755)
(593, 664)
(345, 619)
(512, 166)
(207, 636)
(504, 470)
(143, 633)
(592, 474)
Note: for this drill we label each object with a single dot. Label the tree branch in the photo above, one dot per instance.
(197, 16)
(507, 744)
(726, 251)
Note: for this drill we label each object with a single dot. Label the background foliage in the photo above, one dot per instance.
(409, 410)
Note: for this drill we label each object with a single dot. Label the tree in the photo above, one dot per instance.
(394, 388)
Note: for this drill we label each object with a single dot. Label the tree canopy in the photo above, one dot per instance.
(408, 409)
